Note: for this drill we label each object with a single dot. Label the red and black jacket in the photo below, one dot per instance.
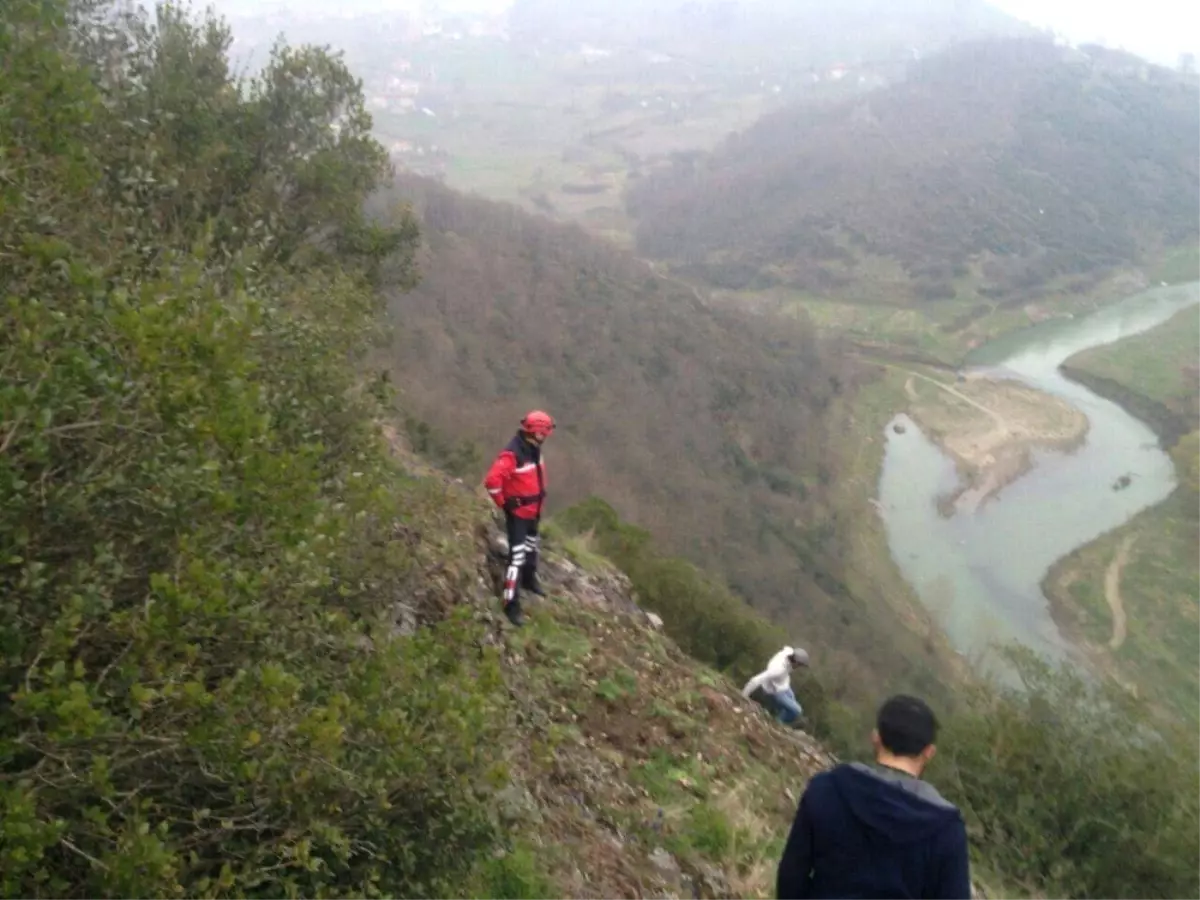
(517, 479)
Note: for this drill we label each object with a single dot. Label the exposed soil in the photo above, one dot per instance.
(1112, 591)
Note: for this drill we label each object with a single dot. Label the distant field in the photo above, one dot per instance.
(944, 330)
(541, 129)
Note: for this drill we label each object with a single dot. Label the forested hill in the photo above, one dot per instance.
(993, 169)
(709, 428)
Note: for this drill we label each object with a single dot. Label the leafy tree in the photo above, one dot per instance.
(202, 690)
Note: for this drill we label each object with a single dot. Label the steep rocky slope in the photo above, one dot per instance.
(632, 770)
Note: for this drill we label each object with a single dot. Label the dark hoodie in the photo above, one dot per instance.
(870, 831)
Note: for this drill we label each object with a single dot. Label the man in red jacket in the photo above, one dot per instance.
(517, 484)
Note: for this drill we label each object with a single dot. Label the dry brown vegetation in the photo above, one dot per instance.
(707, 427)
(999, 165)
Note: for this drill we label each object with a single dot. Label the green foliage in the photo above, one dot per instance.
(622, 684)
(459, 458)
(709, 831)
(514, 876)
(1155, 374)
(1074, 791)
(203, 693)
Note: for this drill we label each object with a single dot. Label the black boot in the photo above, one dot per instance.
(530, 583)
(513, 612)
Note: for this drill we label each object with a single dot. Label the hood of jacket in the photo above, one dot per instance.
(893, 806)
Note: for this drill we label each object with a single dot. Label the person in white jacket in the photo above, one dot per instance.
(776, 682)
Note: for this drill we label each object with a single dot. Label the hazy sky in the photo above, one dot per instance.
(1159, 29)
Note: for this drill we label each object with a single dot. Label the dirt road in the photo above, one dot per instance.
(1112, 591)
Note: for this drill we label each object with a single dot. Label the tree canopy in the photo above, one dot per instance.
(194, 511)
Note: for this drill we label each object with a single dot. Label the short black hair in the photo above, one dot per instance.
(906, 725)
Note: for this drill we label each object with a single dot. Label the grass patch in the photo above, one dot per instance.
(623, 683)
(1179, 266)
(517, 875)
(1159, 364)
(581, 548)
(709, 831)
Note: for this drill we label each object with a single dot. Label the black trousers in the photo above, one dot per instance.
(522, 555)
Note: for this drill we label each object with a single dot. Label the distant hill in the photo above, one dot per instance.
(707, 427)
(762, 32)
(993, 169)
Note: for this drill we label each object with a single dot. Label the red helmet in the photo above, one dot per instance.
(538, 423)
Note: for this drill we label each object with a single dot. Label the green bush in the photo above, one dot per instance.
(709, 831)
(514, 876)
(1071, 789)
(202, 692)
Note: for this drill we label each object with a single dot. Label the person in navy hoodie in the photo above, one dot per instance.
(879, 830)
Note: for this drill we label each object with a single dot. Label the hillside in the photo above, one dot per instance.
(713, 430)
(249, 642)
(1130, 596)
(996, 169)
(554, 106)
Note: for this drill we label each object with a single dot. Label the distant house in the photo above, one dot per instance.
(590, 53)
(405, 87)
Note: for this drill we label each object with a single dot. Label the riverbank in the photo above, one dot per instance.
(1155, 376)
(1168, 424)
(868, 565)
(1128, 599)
(990, 428)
